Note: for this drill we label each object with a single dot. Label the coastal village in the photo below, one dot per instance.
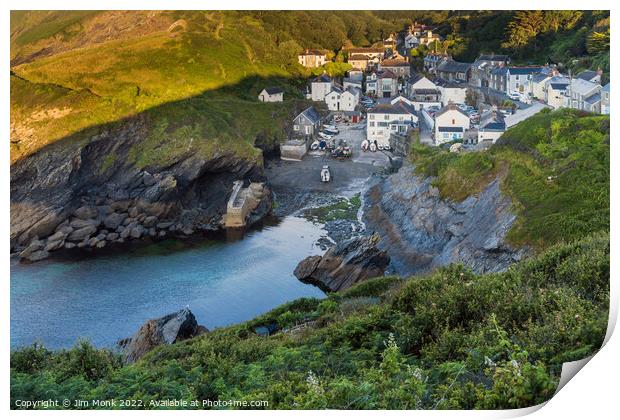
(437, 100)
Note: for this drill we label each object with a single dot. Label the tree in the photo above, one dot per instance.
(524, 28)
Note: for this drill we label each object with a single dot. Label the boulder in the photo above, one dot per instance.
(137, 231)
(52, 245)
(79, 223)
(114, 220)
(58, 236)
(112, 236)
(69, 245)
(64, 228)
(149, 221)
(38, 255)
(164, 225)
(34, 246)
(148, 179)
(101, 244)
(125, 232)
(345, 264)
(169, 329)
(133, 212)
(82, 233)
(85, 212)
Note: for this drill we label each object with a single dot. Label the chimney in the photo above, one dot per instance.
(599, 71)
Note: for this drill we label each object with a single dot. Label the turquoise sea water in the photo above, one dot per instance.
(106, 298)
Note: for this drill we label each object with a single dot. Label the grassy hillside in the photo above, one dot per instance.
(78, 69)
(554, 166)
(451, 339)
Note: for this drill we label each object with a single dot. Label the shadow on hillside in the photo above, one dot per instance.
(225, 108)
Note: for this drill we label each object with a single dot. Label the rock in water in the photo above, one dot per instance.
(166, 330)
(344, 264)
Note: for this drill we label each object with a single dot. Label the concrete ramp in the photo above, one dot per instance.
(242, 202)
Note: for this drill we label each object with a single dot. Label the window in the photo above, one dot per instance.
(296, 127)
(372, 124)
(453, 122)
(308, 129)
(371, 116)
(386, 117)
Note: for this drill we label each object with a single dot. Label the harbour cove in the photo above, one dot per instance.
(104, 299)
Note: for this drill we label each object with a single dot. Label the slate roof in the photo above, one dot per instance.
(425, 91)
(449, 83)
(313, 52)
(583, 87)
(386, 74)
(450, 129)
(324, 78)
(587, 75)
(394, 63)
(359, 57)
(397, 108)
(450, 107)
(594, 99)
(492, 121)
(525, 70)
(451, 66)
(493, 57)
(499, 70)
(558, 85)
(539, 77)
(365, 50)
(273, 90)
(311, 114)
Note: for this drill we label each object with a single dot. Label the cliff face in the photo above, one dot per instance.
(420, 231)
(85, 193)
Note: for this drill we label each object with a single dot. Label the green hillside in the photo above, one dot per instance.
(450, 340)
(554, 167)
(75, 70)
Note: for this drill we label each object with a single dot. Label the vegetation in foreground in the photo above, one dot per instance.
(554, 167)
(448, 340)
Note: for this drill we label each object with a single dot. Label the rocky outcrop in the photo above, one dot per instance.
(89, 194)
(421, 231)
(169, 329)
(344, 264)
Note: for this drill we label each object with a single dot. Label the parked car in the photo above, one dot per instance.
(330, 127)
(325, 135)
(514, 96)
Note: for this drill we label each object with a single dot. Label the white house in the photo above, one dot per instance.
(450, 124)
(538, 85)
(556, 92)
(342, 100)
(312, 58)
(321, 86)
(271, 94)
(383, 84)
(451, 91)
(584, 95)
(422, 92)
(492, 126)
(384, 119)
(519, 79)
(605, 104)
(411, 41)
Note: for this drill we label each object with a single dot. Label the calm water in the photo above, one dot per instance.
(108, 297)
